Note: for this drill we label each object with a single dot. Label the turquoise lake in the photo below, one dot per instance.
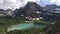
(26, 26)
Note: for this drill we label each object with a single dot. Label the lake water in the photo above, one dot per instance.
(25, 26)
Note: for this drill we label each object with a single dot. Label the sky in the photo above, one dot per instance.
(13, 4)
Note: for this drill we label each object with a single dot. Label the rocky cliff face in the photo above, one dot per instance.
(32, 7)
(29, 9)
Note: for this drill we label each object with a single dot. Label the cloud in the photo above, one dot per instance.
(13, 4)
(58, 2)
(52, 1)
(48, 2)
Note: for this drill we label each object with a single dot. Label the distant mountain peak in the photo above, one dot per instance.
(32, 6)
